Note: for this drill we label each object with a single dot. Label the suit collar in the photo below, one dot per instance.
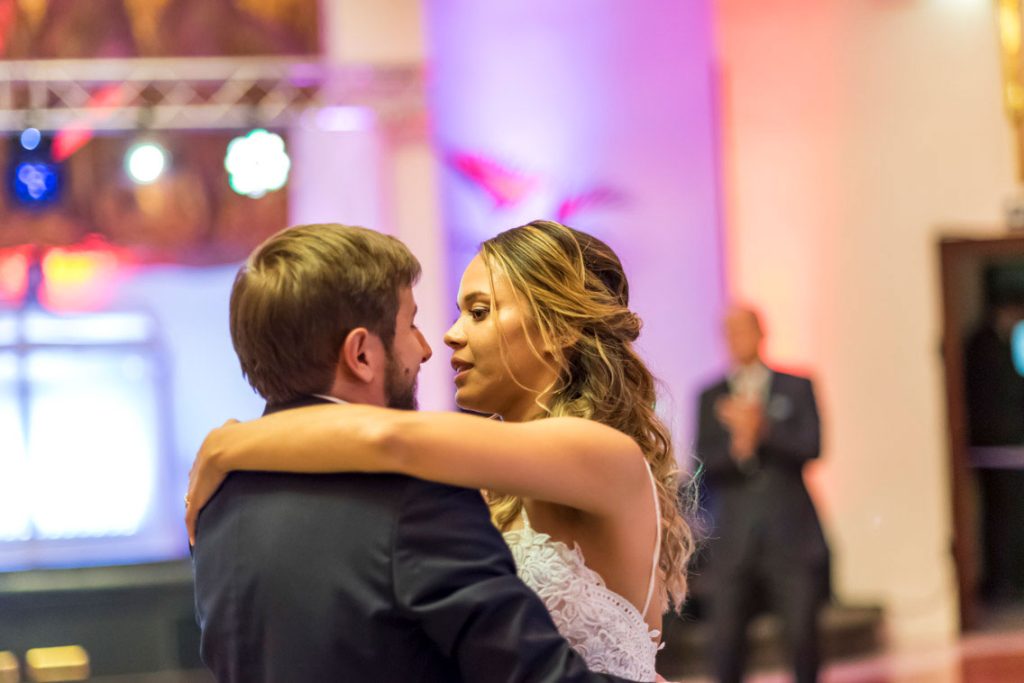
(757, 367)
(723, 385)
(300, 402)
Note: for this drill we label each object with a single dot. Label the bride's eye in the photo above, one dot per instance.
(478, 313)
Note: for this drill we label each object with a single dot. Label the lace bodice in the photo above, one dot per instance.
(606, 629)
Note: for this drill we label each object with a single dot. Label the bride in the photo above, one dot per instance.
(579, 472)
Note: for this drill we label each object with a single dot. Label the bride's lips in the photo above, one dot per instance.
(460, 367)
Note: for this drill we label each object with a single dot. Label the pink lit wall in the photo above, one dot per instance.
(601, 113)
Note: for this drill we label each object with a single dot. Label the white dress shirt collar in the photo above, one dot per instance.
(332, 399)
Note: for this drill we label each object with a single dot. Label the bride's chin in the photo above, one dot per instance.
(465, 402)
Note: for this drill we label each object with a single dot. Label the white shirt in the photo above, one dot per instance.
(752, 382)
(332, 399)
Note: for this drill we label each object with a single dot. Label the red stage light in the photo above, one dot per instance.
(13, 274)
(73, 137)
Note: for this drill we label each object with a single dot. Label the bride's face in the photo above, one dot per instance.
(498, 354)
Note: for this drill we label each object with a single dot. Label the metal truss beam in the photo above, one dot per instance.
(195, 93)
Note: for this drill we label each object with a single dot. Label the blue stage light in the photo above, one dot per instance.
(1017, 348)
(33, 178)
(30, 139)
(36, 183)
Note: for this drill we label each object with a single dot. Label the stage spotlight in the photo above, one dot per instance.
(33, 177)
(257, 163)
(30, 139)
(145, 162)
(35, 182)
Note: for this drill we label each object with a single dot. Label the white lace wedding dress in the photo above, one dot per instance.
(606, 629)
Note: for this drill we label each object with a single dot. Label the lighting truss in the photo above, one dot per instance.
(196, 93)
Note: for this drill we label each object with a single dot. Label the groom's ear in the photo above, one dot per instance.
(357, 355)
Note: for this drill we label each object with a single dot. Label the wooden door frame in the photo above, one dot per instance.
(952, 251)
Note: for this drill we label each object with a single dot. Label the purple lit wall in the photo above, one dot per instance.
(600, 113)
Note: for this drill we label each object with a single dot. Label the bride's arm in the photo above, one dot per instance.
(571, 461)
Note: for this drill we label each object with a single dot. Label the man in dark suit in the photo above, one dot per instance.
(995, 418)
(757, 428)
(354, 577)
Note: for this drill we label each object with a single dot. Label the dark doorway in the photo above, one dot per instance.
(983, 350)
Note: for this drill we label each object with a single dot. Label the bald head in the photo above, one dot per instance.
(743, 334)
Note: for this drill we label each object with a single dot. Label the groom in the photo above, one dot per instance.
(354, 577)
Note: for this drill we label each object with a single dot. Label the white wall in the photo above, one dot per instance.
(856, 134)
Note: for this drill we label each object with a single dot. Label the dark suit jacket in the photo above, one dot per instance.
(995, 391)
(359, 577)
(763, 512)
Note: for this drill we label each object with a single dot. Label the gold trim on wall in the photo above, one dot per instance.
(300, 15)
(34, 11)
(145, 18)
(1009, 15)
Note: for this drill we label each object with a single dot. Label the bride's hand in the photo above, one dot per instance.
(204, 478)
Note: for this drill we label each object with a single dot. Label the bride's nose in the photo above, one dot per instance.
(454, 338)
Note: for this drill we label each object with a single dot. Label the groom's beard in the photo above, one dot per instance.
(399, 388)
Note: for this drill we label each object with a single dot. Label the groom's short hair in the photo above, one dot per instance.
(300, 294)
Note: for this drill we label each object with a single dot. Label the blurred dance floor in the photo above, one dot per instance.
(987, 658)
(981, 658)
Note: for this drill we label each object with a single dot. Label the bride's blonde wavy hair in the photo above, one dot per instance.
(577, 293)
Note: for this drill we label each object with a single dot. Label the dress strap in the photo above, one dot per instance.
(657, 542)
(526, 517)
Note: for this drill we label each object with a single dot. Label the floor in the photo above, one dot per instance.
(982, 658)
(979, 658)
(995, 655)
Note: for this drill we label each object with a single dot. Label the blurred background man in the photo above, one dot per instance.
(757, 428)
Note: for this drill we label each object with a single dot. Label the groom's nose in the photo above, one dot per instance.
(427, 351)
